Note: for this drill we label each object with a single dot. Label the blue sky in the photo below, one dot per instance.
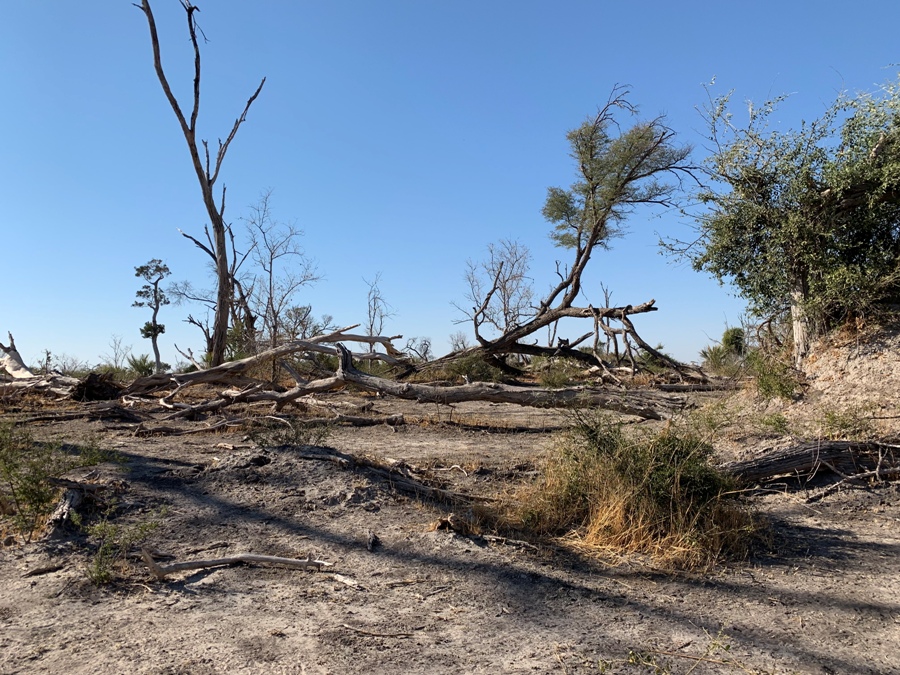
(401, 136)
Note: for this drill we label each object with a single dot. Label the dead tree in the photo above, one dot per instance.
(207, 171)
(12, 362)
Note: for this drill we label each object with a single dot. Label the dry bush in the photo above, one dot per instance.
(657, 495)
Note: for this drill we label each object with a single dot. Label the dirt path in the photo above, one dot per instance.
(825, 600)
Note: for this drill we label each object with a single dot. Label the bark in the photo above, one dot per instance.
(207, 174)
(161, 572)
(807, 459)
(646, 405)
(234, 372)
(800, 321)
(12, 362)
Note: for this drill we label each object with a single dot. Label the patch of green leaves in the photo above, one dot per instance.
(113, 543)
(26, 467)
(773, 376)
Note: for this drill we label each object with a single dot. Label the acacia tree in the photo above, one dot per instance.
(618, 170)
(152, 296)
(207, 172)
(806, 221)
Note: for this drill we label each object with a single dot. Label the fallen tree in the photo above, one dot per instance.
(643, 404)
(619, 170)
(805, 460)
(242, 387)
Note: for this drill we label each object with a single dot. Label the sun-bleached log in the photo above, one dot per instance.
(232, 372)
(647, 405)
(12, 362)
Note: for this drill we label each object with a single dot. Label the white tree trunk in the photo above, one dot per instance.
(12, 362)
(800, 323)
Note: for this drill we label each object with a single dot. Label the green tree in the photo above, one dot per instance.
(805, 222)
(152, 296)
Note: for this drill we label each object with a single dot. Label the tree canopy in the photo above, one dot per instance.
(805, 220)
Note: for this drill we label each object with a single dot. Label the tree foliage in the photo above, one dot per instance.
(805, 220)
(152, 296)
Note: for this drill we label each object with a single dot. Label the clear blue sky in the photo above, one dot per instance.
(401, 136)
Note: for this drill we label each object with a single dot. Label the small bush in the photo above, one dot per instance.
(776, 422)
(141, 366)
(853, 423)
(555, 373)
(25, 469)
(475, 369)
(113, 543)
(710, 419)
(773, 376)
(658, 495)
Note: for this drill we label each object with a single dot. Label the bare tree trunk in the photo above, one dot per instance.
(800, 321)
(207, 173)
(12, 362)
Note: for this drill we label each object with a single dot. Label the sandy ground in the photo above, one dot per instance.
(825, 599)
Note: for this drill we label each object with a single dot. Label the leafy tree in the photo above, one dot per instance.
(152, 296)
(805, 221)
(734, 341)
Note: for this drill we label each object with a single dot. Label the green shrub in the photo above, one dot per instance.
(475, 369)
(655, 494)
(113, 543)
(774, 377)
(556, 372)
(26, 467)
(852, 423)
(142, 366)
(775, 422)
(726, 358)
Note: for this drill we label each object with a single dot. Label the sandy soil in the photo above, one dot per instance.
(824, 599)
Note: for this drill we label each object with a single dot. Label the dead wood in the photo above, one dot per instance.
(879, 474)
(161, 572)
(98, 411)
(59, 386)
(355, 421)
(234, 372)
(378, 635)
(12, 362)
(648, 405)
(807, 459)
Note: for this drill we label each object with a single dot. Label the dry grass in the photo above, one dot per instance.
(606, 492)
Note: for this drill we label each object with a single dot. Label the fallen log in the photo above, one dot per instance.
(647, 405)
(807, 459)
(234, 372)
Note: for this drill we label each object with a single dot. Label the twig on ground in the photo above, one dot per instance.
(372, 634)
(878, 473)
(295, 563)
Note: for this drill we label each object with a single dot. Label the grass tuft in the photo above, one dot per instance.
(657, 495)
